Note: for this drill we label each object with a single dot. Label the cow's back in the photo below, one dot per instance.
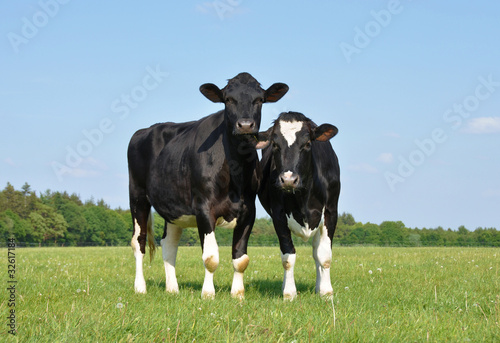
(145, 146)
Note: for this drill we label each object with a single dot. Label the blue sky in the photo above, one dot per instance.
(414, 88)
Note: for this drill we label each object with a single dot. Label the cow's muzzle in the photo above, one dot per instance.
(289, 181)
(246, 127)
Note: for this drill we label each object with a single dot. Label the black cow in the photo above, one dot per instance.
(300, 191)
(202, 173)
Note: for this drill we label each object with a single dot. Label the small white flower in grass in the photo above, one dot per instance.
(346, 288)
(361, 264)
(119, 305)
(78, 290)
(379, 269)
(370, 271)
(491, 268)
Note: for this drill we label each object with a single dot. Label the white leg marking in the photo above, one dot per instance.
(322, 253)
(140, 283)
(239, 265)
(289, 130)
(169, 247)
(289, 289)
(211, 261)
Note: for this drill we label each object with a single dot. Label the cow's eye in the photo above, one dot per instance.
(307, 146)
(276, 147)
(231, 101)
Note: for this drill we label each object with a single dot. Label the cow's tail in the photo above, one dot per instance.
(151, 236)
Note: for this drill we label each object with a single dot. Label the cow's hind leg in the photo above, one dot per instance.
(169, 245)
(142, 221)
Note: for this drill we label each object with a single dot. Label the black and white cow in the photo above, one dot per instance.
(300, 191)
(202, 173)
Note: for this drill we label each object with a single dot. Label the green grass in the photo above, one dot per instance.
(412, 295)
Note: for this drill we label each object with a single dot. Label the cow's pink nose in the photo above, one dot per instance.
(289, 180)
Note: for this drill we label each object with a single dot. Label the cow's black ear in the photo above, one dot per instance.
(264, 139)
(325, 132)
(212, 92)
(275, 92)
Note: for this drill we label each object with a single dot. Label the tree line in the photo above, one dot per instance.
(58, 218)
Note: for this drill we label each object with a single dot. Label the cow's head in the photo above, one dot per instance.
(243, 98)
(292, 138)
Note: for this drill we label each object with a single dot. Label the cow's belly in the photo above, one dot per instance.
(186, 221)
(304, 232)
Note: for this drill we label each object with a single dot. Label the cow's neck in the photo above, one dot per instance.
(304, 204)
(241, 157)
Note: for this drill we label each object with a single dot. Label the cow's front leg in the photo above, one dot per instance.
(169, 245)
(322, 253)
(241, 235)
(210, 254)
(288, 257)
(289, 289)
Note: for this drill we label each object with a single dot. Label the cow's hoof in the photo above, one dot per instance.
(208, 295)
(240, 295)
(140, 287)
(172, 290)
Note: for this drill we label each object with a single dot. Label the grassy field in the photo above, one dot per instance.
(381, 294)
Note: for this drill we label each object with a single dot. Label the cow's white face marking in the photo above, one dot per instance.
(289, 130)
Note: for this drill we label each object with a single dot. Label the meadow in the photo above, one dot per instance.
(380, 295)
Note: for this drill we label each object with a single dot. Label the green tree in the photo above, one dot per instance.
(47, 224)
(346, 219)
(11, 225)
(393, 233)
